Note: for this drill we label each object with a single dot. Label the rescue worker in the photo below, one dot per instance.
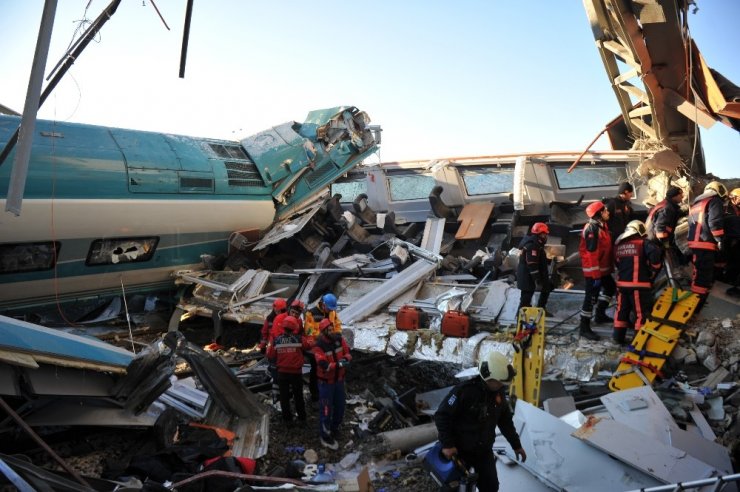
(595, 250)
(287, 351)
(279, 305)
(732, 233)
(326, 308)
(296, 310)
(638, 261)
(620, 210)
(466, 419)
(332, 358)
(663, 217)
(706, 238)
(279, 309)
(531, 273)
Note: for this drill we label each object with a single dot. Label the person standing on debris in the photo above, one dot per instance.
(620, 210)
(638, 261)
(332, 358)
(296, 310)
(466, 419)
(706, 238)
(326, 308)
(279, 305)
(287, 351)
(279, 311)
(662, 220)
(531, 273)
(595, 250)
(732, 233)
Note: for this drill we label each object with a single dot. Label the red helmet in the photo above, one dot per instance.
(279, 304)
(325, 323)
(540, 228)
(297, 305)
(593, 209)
(291, 324)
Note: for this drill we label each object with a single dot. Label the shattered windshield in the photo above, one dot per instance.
(410, 186)
(349, 189)
(480, 181)
(590, 176)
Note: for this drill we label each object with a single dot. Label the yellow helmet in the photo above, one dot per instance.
(636, 227)
(717, 187)
(735, 193)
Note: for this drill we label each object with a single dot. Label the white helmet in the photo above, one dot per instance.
(495, 365)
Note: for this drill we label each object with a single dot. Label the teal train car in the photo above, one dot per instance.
(107, 209)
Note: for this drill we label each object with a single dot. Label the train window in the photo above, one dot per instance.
(28, 257)
(585, 176)
(349, 189)
(121, 250)
(487, 181)
(410, 186)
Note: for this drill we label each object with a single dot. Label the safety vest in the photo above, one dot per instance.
(595, 250)
(314, 317)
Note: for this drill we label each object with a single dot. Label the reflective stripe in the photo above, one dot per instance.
(624, 283)
(604, 298)
(638, 309)
(718, 232)
(584, 314)
(699, 290)
(703, 245)
(591, 269)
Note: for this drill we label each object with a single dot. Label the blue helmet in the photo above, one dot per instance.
(330, 301)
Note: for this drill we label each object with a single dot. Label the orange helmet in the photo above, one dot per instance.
(279, 304)
(540, 228)
(325, 323)
(593, 209)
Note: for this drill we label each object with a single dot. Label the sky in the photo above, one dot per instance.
(442, 78)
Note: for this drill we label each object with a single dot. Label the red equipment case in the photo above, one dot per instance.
(408, 318)
(456, 324)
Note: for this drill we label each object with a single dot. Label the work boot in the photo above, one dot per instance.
(585, 330)
(329, 442)
(600, 316)
(620, 337)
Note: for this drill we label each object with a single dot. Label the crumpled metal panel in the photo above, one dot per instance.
(372, 334)
(564, 462)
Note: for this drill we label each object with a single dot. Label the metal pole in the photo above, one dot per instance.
(28, 121)
(41, 443)
(185, 37)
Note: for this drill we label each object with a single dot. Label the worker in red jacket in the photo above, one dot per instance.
(638, 261)
(279, 311)
(706, 238)
(597, 262)
(287, 350)
(332, 359)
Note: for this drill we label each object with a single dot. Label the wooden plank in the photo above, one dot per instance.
(474, 218)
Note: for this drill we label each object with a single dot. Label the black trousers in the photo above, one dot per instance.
(637, 301)
(313, 379)
(603, 293)
(291, 385)
(526, 298)
(485, 466)
(703, 277)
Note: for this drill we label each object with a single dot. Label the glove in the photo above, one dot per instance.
(343, 363)
(597, 283)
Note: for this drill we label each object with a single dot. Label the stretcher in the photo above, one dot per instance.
(645, 356)
(529, 355)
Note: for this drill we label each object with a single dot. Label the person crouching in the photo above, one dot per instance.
(287, 350)
(332, 359)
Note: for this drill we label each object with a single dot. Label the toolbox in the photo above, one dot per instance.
(456, 324)
(408, 318)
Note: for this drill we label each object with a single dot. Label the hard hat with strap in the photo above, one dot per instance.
(717, 187)
(496, 366)
(540, 228)
(593, 209)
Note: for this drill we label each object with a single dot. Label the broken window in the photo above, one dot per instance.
(585, 176)
(488, 180)
(121, 250)
(409, 186)
(349, 189)
(28, 257)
